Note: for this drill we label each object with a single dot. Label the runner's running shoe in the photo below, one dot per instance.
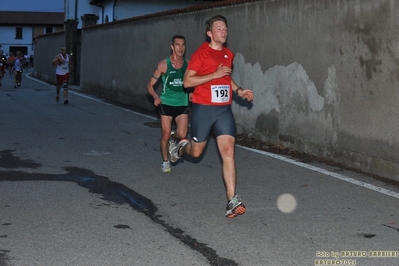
(235, 207)
(174, 154)
(172, 142)
(166, 167)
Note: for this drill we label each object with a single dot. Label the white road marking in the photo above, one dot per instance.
(272, 155)
(325, 172)
(124, 109)
(94, 99)
(96, 153)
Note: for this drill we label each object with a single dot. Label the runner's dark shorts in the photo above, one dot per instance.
(203, 117)
(173, 111)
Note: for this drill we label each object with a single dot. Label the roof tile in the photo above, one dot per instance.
(30, 18)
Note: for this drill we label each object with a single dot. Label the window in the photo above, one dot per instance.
(48, 30)
(18, 33)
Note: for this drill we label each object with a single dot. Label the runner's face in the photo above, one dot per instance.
(179, 47)
(219, 32)
(63, 50)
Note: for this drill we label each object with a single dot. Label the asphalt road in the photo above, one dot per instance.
(80, 184)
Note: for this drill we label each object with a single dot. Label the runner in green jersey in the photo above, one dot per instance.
(173, 102)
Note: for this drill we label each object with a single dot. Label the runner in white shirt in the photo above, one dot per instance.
(62, 73)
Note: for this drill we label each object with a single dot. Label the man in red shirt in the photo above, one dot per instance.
(209, 72)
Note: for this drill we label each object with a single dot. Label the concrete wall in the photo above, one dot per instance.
(324, 73)
(46, 48)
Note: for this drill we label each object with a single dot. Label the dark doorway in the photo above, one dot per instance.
(22, 49)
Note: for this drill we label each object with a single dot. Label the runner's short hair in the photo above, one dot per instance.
(178, 37)
(209, 22)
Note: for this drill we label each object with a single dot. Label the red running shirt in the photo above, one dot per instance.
(205, 61)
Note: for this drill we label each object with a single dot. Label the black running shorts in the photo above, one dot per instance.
(173, 111)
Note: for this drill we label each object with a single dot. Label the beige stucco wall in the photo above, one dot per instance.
(46, 48)
(324, 73)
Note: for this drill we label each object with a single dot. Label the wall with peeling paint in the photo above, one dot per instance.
(324, 73)
(327, 74)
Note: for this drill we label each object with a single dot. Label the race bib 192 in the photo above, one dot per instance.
(220, 93)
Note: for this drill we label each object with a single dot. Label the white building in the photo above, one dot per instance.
(21, 21)
(112, 10)
(19, 29)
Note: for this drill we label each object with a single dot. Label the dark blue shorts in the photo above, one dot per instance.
(204, 117)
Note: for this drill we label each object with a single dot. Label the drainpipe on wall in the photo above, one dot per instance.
(102, 12)
(113, 11)
(76, 9)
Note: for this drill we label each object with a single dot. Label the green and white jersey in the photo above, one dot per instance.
(173, 91)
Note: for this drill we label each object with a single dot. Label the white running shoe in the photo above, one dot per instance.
(166, 167)
(174, 154)
(235, 207)
(172, 141)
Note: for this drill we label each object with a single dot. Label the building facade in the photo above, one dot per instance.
(20, 29)
(105, 11)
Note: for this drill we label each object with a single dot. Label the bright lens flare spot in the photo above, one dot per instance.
(286, 203)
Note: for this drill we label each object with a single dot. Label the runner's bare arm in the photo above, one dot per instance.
(56, 60)
(191, 79)
(158, 72)
(243, 93)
